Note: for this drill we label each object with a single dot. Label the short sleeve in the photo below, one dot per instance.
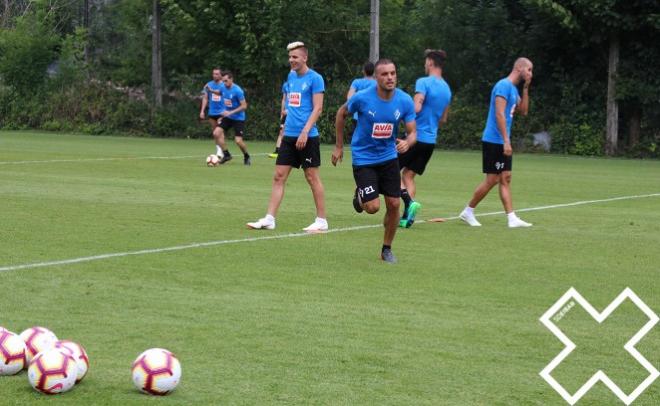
(317, 84)
(420, 86)
(355, 85)
(501, 90)
(353, 104)
(409, 108)
(240, 95)
(284, 90)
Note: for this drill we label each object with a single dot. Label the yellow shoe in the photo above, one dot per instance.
(272, 155)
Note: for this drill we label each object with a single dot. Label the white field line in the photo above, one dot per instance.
(134, 158)
(283, 236)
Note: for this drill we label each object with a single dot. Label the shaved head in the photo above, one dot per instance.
(522, 63)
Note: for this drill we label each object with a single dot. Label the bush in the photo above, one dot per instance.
(578, 139)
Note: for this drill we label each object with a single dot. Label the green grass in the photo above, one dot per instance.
(319, 319)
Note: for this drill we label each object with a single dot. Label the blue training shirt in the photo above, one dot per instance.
(232, 98)
(361, 84)
(437, 96)
(374, 138)
(299, 102)
(216, 107)
(506, 89)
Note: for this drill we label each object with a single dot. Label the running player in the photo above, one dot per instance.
(212, 99)
(233, 116)
(282, 121)
(374, 147)
(300, 145)
(496, 141)
(362, 83)
(432, 98)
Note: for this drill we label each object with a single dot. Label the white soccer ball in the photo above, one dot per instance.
(12, 353)
(78, 353)
(52, 371)
(212, 160)
(156, 372)
(37, 339)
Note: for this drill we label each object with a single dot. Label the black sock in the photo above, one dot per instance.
(406, 198)
(386, 247)
(277, 150)
(246, 155)
(226, 152)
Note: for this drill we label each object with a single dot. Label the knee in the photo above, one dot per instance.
(393, 204)
(311, 177)
(505, 180)
(279, 177)
(372, 206)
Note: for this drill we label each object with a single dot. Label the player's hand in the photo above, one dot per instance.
(302, 141)
(225, 114)
(402, 146)
(337, 155)
(507, 149)
(202, 116)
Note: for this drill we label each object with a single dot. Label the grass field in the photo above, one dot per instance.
(319, 319)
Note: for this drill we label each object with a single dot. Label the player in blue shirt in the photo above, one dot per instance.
(374, 146)
(300, 144)
(235, 105)
(274, 154)
(496, 141)
(362, 83)
(432, 98)
(212, 98)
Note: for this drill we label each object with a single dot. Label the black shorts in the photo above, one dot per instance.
(383, 179)
(215, 117)
(494, 160)
(417, 157)
(308, 157)
(238, 126)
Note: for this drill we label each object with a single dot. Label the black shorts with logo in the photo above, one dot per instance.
(308, 157)
(417, 157)
(494, 160)
(239, 126)
(383, 178)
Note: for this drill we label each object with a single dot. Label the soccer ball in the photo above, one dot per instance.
(156, 372)
(37, 339)
(78, 353)
(212, 160)
(12, 353)
(52, 371)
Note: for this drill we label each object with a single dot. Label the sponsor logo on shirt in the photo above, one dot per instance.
(215, 97)
(228, 102)
(382, 130)
(294, 99)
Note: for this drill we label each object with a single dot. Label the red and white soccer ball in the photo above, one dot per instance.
(78, 353)
(12, 353)
(37, 339)
(156, 372)
(52, 371)
(212, 160)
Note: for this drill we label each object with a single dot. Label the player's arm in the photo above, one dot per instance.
(419, 101)
(523, 105)
(500, 118)
(340, 122)
(403, 145)
(317, 103)
(283, 106)
(443, 119)
(241, 107)
(205, 102)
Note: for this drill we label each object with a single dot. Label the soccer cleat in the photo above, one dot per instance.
(225, 158)
(357, 203)
(317, 226)
(403, 222)
(262, 224)
(273, 155)
(387, 256)
(517, 222)
(247, 161)
(469, 218)
(413, 209)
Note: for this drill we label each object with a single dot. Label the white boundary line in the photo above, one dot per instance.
(134, 158)
(281, 236)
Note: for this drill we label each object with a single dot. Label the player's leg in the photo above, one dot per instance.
(492, 165)
(366, 197)
(224, 124)
(408, 190)
(216, 137)
(513, 220)
(278, 143)
(310, 161)
(391, 222)
(239, 130)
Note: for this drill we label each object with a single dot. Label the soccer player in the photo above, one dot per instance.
(364, 82)
(375, 145)
(432, 98)
(282, 121)
(233, 116)
(496, 141)
(300, 144)
(212, 99)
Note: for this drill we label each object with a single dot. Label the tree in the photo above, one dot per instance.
(156, 55)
